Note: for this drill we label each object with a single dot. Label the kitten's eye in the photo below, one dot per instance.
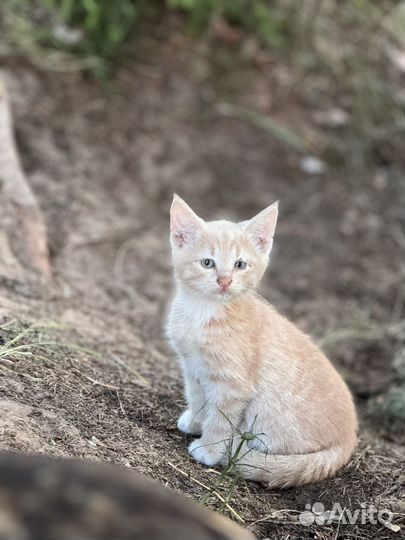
(240, 265)
(207, 263)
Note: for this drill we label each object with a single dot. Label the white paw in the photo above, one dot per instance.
(207, 454)
(188, 424)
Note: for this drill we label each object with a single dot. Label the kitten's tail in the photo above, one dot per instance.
(295, 469)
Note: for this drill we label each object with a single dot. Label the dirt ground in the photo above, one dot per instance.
(104, 163)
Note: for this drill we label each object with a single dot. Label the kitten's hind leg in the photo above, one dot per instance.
(258, 430)
(260, 443)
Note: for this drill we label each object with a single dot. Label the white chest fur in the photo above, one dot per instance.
(188, 317)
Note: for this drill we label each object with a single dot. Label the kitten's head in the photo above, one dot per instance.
(220, 259)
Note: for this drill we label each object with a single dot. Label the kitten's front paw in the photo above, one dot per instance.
(207, 454)
(188, 424)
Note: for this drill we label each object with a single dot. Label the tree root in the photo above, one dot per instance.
(21, 218)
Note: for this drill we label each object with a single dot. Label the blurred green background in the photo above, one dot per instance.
(353, 46)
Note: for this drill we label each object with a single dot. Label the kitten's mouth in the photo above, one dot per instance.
(223, 292)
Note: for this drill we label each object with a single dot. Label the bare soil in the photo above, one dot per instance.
(104, 163)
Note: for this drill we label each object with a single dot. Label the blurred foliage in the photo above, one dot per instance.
(100, 27)
(71, 34)
(389, 407)
(264, 19)
(105, 24)
(339, 53)
(348, 48)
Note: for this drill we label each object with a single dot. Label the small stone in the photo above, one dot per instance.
(331, 118)
(380, 180)
(67, 35)
(312, 165)
(397, 57)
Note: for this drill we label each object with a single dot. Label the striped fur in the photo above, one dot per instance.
(246, 367)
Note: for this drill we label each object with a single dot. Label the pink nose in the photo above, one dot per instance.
(224, 282)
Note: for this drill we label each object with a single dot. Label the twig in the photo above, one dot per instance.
(99, 383)
(273, 517)
(218, 495)
(120, 404)
(338, 525)
(371, 332)
(111, 238)
(130, 369)
(267, 124)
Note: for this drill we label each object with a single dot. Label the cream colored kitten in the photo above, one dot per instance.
(247, 366)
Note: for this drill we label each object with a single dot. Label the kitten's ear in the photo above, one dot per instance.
(185, 225)
(261, 227)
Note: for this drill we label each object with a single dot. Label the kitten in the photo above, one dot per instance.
(247, 367)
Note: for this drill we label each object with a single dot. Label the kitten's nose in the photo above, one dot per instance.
(224, 281)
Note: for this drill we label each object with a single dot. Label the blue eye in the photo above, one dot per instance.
(240, 265)
(207, 263)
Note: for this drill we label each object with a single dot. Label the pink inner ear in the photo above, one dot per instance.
(184, 224)
(261, 227)
(180, 239)
(185, 235)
